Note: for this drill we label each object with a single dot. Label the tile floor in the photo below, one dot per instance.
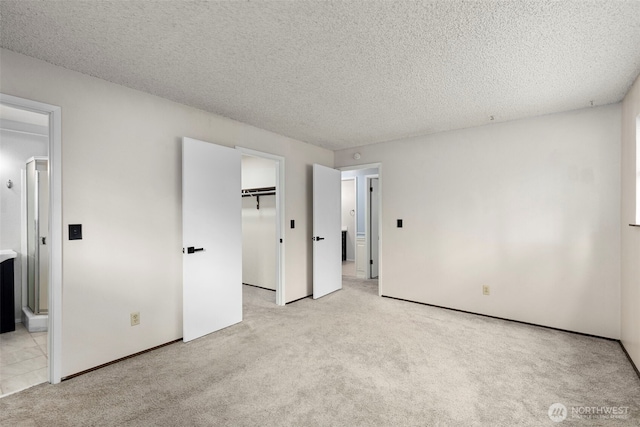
(23, 359)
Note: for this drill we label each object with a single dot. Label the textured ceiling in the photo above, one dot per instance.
(344, 74)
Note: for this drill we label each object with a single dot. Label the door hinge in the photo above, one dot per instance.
(280, 240)
(371, 261)
(371, 189)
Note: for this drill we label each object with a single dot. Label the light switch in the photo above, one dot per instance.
(75, 231)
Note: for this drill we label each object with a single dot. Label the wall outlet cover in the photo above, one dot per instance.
(135, 318)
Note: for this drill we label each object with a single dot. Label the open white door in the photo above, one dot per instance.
(373, 223)
(327, 237)
(211, 237)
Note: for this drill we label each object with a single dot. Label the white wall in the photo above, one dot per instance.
(15, 149)
(258, 172)
(630, 287)
(258, 242)
(530, 208)
(259, 225)
(121, 179)
(348, 206)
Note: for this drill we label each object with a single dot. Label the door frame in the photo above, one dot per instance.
(54, 335)
(367, 220)
(380, 219)
(280, 225)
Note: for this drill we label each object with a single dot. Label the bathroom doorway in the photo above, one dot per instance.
(31, 238)
(24, 147)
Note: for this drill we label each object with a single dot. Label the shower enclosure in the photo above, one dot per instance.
(37, 231)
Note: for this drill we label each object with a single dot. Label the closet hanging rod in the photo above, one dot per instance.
(264, 191)
(257, 192)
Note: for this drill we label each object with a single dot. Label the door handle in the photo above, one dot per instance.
(191, 249)
(317, 238)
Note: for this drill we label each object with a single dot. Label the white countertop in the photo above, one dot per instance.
(6, 254)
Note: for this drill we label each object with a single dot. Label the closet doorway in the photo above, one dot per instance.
(262, 222)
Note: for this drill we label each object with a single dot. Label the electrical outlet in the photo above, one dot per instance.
(135, 318)
(486, 290)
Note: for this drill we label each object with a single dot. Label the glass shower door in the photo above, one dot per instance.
(37, 230)
(32, 235)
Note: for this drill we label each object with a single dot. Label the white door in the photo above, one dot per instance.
(373, 223)
(211, 237)
(327, 236)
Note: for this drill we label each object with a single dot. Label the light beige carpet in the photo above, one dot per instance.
(349, 359)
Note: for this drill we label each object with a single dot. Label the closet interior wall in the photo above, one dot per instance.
(259, 222)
